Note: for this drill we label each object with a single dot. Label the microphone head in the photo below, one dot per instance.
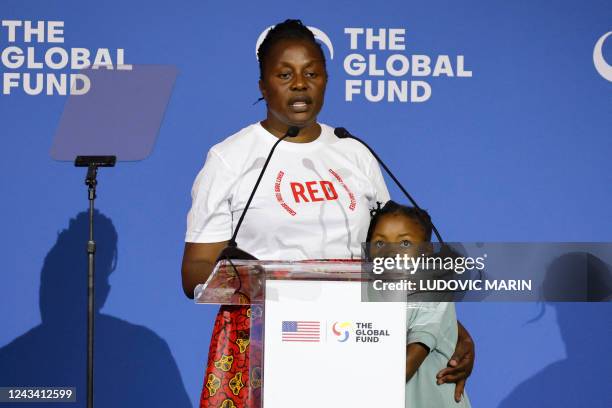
(342, 133)
(292, 131)
(234, 253)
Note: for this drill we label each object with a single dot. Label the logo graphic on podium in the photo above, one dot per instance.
(341, 331)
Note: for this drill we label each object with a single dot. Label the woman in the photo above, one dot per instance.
(313, 201)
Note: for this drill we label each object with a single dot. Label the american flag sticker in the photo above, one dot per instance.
(301, 331)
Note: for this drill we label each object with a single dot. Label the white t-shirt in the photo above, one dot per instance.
(313, 201)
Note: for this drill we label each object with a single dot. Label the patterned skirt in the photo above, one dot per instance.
(233, 373)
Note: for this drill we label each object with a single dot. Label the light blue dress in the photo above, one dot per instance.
(435, 325)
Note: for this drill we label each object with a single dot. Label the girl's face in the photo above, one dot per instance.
(396, 233)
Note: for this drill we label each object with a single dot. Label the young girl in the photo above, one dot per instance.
(431, 327)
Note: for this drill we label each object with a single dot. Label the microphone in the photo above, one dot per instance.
(445, 250)
(342, 133)
(231, 251)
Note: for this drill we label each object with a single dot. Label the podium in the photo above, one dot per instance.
(313, 341)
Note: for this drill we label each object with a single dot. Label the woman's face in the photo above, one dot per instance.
(293, 84)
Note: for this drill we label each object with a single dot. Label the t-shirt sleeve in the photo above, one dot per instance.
(381, 194)
(428, 323)
(210, 217)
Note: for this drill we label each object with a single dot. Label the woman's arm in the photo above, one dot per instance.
(415, 354)
(198, 262)
(461, 363)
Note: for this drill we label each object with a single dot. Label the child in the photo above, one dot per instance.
(431, 327)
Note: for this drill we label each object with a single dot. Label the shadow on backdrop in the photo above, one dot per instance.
(583, 378)
(133, 366)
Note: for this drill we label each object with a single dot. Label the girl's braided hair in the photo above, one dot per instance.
(391, 207)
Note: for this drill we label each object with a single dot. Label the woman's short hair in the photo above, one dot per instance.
(287, 30)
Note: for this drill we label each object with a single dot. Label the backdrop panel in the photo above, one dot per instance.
(506, 129)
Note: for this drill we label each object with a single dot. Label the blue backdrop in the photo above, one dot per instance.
(518, 151)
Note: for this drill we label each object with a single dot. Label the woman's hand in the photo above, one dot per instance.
(461, 363)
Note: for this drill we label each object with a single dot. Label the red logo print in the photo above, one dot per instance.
(353, 203)
(311, 191)
(279, 195)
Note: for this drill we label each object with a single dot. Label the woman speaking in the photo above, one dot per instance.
(313, 201)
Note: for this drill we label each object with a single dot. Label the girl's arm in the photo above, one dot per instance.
(415, 355)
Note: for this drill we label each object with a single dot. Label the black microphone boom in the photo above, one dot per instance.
(232, 251)
(342, 133)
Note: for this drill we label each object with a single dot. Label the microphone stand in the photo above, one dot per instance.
(231, 251)
(342, 133)
(92, 163)
(445, 249)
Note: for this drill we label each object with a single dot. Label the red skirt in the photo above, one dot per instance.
(233, 373)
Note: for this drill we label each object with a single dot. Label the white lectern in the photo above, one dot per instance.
(322, 346)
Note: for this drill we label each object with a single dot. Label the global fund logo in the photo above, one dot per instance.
(383, 65)
(365, 332)
(341, 331)
(601, 65)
